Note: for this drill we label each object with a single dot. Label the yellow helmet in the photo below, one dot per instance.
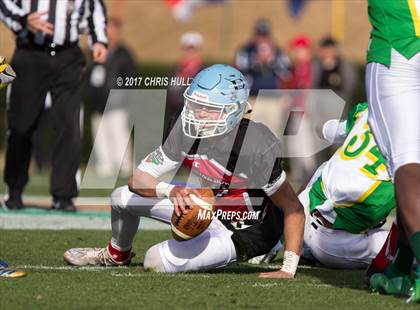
(7, 74)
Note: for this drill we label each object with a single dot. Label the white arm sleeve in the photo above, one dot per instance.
(157, 163)
(334, 131)
(273, 186)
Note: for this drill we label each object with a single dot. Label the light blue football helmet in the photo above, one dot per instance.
(215, 102)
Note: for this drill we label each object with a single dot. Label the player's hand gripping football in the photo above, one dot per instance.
(180, 197)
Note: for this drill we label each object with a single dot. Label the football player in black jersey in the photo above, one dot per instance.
(238, 158)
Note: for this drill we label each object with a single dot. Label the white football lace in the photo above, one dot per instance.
(105, 258)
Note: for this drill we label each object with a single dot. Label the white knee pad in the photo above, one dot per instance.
(116, 199)
(153, 260)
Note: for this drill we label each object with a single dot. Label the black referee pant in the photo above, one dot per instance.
(37, 72)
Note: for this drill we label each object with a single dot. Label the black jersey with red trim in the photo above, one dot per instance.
(243, 167)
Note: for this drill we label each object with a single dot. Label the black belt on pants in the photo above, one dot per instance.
(50, 47)
(320, 220)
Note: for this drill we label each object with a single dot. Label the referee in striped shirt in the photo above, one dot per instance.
(47, 58)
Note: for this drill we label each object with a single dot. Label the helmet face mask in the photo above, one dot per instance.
(214, 103)
(205, 119)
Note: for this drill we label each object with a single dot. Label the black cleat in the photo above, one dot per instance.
(13, 202)
(63, 205)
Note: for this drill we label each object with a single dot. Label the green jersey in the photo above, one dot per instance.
(354, 191)
(395, 24)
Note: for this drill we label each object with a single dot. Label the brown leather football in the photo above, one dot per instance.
(197, 219)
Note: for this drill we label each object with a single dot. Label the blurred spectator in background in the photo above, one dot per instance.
(109, 114)
(261, 61)
(188, 66)
(299, 122)
(301, 56)
(332, 71)
(266, 68)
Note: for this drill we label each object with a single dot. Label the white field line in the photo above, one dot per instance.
(148, 274)
(263, 285)
(64, 221)
(79, 201)
(69, 268)
(93, 268)
(299, 267)
(269, 285)
(115, 274)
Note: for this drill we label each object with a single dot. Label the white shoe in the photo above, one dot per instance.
(267, 258)
(93, 257)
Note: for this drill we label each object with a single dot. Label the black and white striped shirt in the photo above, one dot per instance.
(70, 18)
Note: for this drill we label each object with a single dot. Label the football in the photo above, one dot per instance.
(197, 219)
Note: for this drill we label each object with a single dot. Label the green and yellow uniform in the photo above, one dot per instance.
(395, 24)
(354, 191)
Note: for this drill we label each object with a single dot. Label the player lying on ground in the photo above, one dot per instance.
(349, 197)
(238, 158)
(7, 75)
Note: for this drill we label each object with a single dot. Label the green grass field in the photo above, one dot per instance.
(51, 284)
